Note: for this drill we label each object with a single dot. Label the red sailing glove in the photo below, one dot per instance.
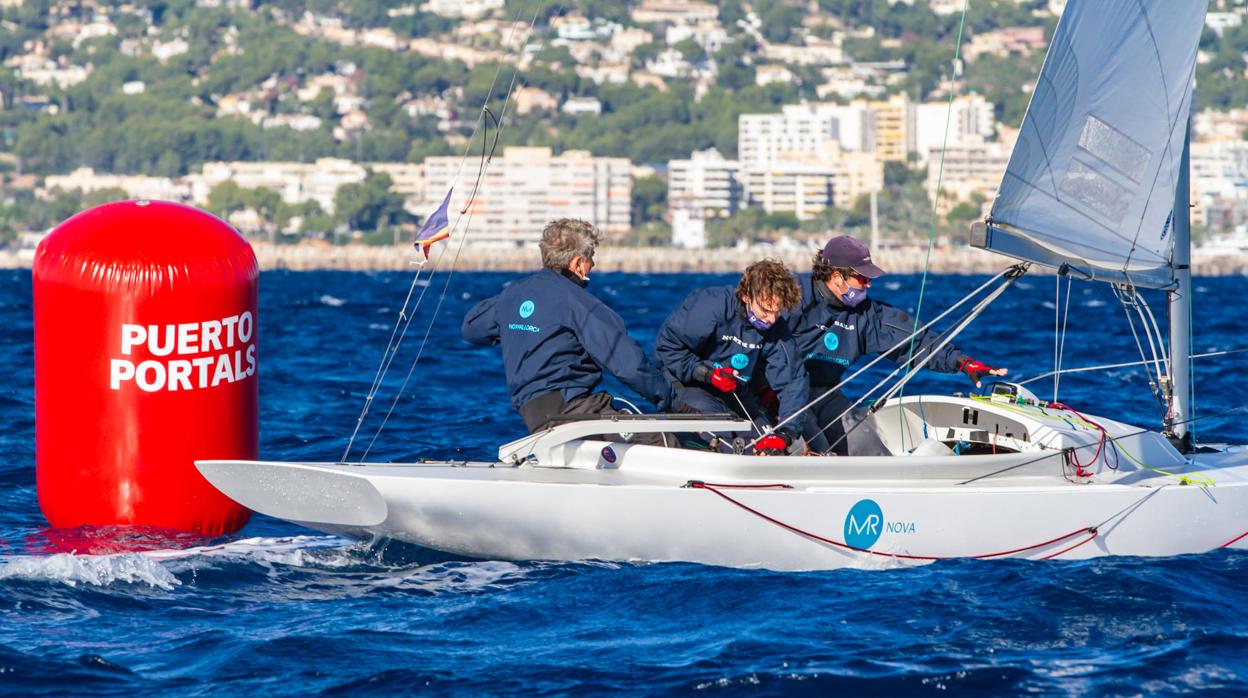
(723, 379)
(975, 370)
(776, 444)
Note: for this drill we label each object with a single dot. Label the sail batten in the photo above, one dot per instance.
(1090, 183)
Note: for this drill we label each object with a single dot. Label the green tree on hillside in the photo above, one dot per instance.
(369, 205)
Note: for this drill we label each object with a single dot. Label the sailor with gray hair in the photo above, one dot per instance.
(557, 338)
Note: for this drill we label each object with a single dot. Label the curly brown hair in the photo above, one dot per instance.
(770, 279)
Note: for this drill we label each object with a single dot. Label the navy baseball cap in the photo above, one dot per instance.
(846, 251)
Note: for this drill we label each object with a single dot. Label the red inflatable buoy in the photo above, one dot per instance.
(145, 361)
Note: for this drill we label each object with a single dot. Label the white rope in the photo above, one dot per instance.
(747, 415)
(1124, 296)
(1165, 356)
(1061, 354)
(1152, 343)
(1057, 302)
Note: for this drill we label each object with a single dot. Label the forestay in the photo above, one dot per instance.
(1092, 177)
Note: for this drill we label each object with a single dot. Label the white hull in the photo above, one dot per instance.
(638, 507)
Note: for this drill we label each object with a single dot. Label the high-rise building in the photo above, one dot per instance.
(967, 170)
(804, 129)
(801, 188)
(706, 181)
(526, 188)
(893, 128)
(970, 120)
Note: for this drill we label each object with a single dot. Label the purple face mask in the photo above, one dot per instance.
(758, 324)
(853, 297)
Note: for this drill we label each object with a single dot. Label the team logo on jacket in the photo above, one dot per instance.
(526, 309)
(739, 361)
(831, 341)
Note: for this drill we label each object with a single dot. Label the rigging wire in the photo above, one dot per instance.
(1126, 364)
(940, 173)
(1125, 295)
(481, 126)
(1061, 346)
(1018, 269)
(424, 342)
(1057, 303)
(962, 324)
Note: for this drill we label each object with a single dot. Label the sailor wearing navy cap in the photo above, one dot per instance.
(838, 321)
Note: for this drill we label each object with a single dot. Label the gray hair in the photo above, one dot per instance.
(566, 238)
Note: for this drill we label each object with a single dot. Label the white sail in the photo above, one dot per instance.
(1092, 178)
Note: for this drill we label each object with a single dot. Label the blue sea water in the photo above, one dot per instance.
(280, 610)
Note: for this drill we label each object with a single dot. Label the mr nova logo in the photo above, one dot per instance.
(865, 523)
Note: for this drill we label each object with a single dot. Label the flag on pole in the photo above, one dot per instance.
(436, 227)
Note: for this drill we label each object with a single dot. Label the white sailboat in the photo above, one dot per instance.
(1099, 166)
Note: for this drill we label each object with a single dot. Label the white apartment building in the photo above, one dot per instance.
(804, 129)
(1219, 181)
(87, 180)
(968, 169)
(465, 9)
(970, 121)
(526, 188)
(707, 182)
(688, 224)
(298, 182)
(674, 12)
(408, 179)
(806, 184)
(801, 188)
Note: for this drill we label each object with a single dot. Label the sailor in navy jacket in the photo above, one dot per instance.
(711, 333)
(558, 338)
(837, 323)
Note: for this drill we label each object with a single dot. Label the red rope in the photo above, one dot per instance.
(1085, 541)
(709, 485)
(1081, 469)
(793, 529)
(1234, 540)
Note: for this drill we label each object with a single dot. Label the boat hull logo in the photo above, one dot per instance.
(739, 361)
(831, 341)
(863, 524)
(608, 454)
(526, 309)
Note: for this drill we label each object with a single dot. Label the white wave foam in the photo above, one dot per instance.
(96, 570)
(289, 550)
(331, 301)
(158, 568)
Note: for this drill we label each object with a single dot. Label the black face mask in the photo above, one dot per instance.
(572, 276)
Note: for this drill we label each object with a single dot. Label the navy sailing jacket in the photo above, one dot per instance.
(710, 329)
(556, 335)
(831, 336)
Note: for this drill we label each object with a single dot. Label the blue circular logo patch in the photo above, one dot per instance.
(831, 341)
(739, 361)
(608, 454)
(863, 524)
(526, 309)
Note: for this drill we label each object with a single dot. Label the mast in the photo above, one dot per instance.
(1181, 308)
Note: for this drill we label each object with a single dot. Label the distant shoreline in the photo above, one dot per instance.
(644, 260)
